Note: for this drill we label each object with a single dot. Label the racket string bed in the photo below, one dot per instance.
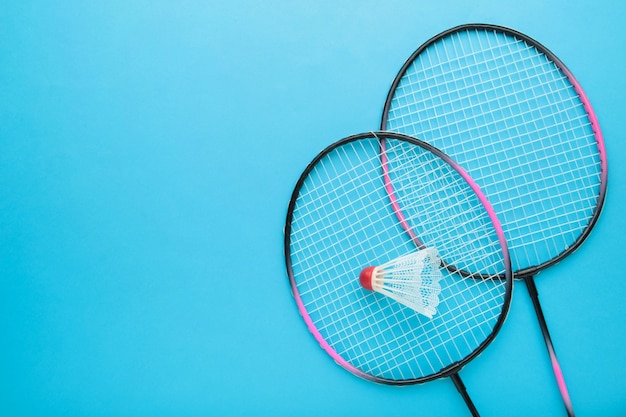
(340, 220)
(540, 105)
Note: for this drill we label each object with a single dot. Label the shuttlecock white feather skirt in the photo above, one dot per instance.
(412, 280)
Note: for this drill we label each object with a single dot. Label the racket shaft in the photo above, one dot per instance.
(460, 386)
(556, 368)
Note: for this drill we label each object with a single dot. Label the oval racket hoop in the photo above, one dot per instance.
(526, 267)
(340, 219)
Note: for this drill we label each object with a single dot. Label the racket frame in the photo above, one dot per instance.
(528, 273)
(531, 270)
(452, 369)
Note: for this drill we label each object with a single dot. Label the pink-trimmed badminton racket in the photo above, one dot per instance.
(509, 112)
(344, 237)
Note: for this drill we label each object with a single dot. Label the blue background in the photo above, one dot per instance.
(148, 150)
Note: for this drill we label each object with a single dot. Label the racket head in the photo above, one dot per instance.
(340, 220)
(511, 113)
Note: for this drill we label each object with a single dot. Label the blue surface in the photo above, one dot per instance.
(148, 150)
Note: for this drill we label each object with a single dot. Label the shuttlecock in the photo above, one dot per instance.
(411, 280)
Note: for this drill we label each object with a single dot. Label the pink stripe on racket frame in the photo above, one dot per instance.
(392, 195)
(595, 125)
(320, 339)
(560, 380)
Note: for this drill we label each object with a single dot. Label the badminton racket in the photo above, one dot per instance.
(340, 221)
(509, 112)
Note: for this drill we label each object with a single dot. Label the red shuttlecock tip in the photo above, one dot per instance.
(366, 277)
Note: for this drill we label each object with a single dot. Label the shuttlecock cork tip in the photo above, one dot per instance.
(365, 277)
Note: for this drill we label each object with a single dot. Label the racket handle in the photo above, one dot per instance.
(556, 368)
(460, 386)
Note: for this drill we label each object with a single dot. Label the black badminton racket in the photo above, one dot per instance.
(440, 292)
(509, 112)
